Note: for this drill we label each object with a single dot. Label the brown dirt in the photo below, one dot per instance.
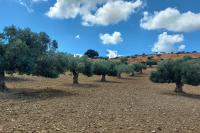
(132, 104)
(162, 56)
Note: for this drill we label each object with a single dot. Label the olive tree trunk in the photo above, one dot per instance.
(179, 88)
(141, 71)
(132, 74)
(119, 76)
(2, 82)
(103, 78)
(75, 77)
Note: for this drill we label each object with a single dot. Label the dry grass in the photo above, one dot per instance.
(162, 56)
(131, 104)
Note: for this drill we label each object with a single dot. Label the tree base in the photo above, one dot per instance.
(103, 78)
(179, 88)
(3, 88)
(180, 92)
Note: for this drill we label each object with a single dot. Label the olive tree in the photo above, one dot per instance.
(25, 52)
(132, 69)
(51, 65)
(179, 71)
(105, 68)
(79, 65)
(151, 62)
(123, 68)
(138, 67)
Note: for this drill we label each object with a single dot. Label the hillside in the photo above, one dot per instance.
(142, 58)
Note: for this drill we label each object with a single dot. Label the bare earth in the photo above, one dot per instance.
(132, 104)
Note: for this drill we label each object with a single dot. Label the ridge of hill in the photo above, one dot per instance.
(143, 58)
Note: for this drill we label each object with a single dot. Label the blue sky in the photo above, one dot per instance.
(123, 28)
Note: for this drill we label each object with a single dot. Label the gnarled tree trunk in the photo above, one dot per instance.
(179, 88)
(75, 77)
(2, 82)
(103, 78)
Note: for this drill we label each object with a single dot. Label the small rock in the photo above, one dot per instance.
(58, 129)
(154, 131)
(159, 128)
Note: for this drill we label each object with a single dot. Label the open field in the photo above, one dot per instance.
(131, 104)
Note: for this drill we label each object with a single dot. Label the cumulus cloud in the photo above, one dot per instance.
(166, 43)
(114, 38)
(111, 13)
(172, 20)
(181, 47)
(94, 12)
(112, 54)
(29, 3)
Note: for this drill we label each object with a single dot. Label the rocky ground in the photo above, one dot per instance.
(128, 105)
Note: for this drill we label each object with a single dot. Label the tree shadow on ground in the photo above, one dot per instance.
(188, 95)
(82, 85)
(16, 79)
(127, 78)
(35, 94)
(108, 81)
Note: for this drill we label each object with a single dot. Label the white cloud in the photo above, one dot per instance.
(29, 3)
(94, 12)
(111, 13)
(172, 20)
(112, 54)
(166, 43)
(114, 39)
(181, 47)
(77, 37)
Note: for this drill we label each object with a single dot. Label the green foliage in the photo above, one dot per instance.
(179, 71)
(91, 53)
(23, 49)
(124, 60)
(123, 68)
(191, 72)
(138, 67)
(104, 67)
(80, 65)
(151, 62)
(18, 58)
(51, 65)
